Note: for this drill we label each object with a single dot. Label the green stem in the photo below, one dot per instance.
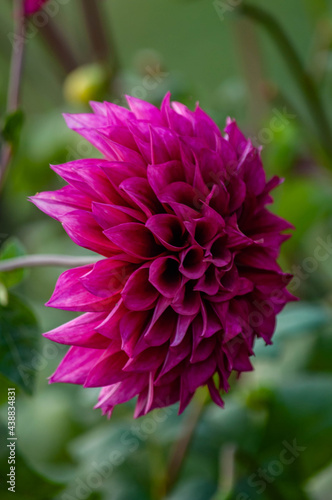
(15, 79)
(59, 46)
(103, 46)
(45, 261)
(303, 77)
(182, 445)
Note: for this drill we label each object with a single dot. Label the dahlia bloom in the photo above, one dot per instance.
(32, 6)
(188, 278)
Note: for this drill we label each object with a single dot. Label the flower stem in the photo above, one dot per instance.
(103, 46)
(45, 261)
(182, 445)
(302, 76)
(15, 78)
(59, 46)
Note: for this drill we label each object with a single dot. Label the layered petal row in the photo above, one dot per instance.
(188, 277)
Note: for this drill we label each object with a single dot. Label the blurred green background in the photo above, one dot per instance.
(202, 51)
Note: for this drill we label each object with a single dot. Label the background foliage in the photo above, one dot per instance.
(206, 51)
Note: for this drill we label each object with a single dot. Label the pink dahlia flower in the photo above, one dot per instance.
(188, 277)
(31, 6)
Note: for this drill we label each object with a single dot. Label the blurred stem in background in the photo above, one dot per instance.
(181, 446)
(15, 78)
(102, 41)
(253, 71)
(304, 80)
(59, 46)
(103, 45)
(46, 261)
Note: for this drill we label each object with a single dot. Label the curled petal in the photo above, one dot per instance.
(134, 239)
(165, 276)
(192, 262)
(169, 230)
(71, 295)
(80, 332)
(76, 365)
(138, 293)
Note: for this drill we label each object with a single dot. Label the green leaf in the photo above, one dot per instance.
(29, 483)
(12, 248)
(199, 489)
(12, 127)
(18, 340)
(301, 318)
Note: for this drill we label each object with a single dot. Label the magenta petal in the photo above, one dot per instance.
(110, 327)
(88, 177)
(192, 262)
(182, 193)
(164, 145)
(190, 277)
(169, 230)
(138, 293)
(160, 176)
(165, 276)
(144, 110)
(107, 278)
(117, 171)
(85, 232)
(175, 355)
(134, 239)
(215, 394)
(203, 349)
(58, 203)
(235, 137)
(108, 216)
(176, 122)
(208, 283)
(187, 301)
(85, 120)
(80, 332)
(199, 373)
(113, 150)
(219, 253)
(108, 369)
(121, 392)
(71, 295)
(132, 325)
(32, 6)
(141, 194)
(258, 258)
(182, 327)
(161, 330)
(76, 364)
(203, 230)
(253, 172)
(148, 360)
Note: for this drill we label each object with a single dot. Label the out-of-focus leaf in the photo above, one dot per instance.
(12, 126)
(320, 486)
(311, 427)
(196, 488)
(12, 248)
(30, 485)
(18, 338)
(304, 201)
(321, 353)
(301, 318)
